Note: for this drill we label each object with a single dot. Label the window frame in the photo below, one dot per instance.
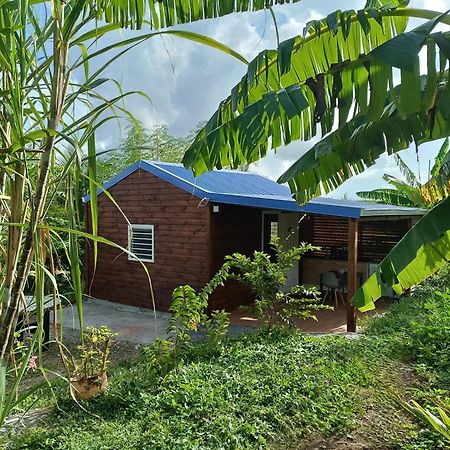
(141, 226)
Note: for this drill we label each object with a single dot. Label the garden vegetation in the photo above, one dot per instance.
(272, 389)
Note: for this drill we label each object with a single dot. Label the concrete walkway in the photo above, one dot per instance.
(143, 326)
(136, 325)
(132, 324)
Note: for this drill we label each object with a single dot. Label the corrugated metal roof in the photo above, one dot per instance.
(249, 189)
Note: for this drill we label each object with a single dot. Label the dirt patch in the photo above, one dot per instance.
(382, 420)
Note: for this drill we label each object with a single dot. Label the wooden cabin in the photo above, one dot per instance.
(181, 228)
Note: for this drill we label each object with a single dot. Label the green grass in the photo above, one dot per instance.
(271, 390)
(262, 389)
(417, 331)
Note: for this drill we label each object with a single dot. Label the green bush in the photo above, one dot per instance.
(265, 276)
(417, 330)
(430, 334)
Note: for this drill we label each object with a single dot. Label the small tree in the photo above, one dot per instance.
(265, 277)
(188, 313)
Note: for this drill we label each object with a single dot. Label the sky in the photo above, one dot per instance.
(185, 82)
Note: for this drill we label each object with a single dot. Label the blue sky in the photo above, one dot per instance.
(186, 81)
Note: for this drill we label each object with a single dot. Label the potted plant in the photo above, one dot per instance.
(89, 377)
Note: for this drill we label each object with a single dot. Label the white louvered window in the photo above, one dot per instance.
(141, 242)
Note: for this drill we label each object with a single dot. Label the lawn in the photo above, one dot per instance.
(271, 390)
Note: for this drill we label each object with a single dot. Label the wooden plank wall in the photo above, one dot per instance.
(234, 229)
(376, 237)
(181, 242)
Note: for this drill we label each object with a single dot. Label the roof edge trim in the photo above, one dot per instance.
(154, 170)
(286, 205)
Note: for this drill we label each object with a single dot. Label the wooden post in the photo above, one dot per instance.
(209, 269)
(352, 273)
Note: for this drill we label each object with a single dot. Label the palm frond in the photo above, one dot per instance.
(442, 158)
(386, 196)
(357, 145)
(166, 13)
(412, 192)
(409, 175)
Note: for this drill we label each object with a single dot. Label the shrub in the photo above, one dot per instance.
(265, 277)
(430, 334)
(217, 328)
(188, 313)
(93, 353)
(417, 329)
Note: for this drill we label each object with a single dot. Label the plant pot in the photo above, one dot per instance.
(88, 388)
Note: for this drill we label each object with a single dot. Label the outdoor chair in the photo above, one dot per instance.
(330, 283)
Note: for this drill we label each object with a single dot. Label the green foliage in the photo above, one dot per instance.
(156, 144)
(11, 396)
(411, 192)
(313, 82)
(160, 354)
(265, 277)
(264, 389)
(419, 254)
(188, 313)
(217, 328)
(93, 355)
(271, 389)
(430, 334)
(439, 424)
(417, 329)
(299, 303)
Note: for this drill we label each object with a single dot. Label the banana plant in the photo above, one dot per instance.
(411, 192)
(355, 78)
(335, 75)
(440, 424)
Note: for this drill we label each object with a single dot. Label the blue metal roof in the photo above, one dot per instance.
(249, 189)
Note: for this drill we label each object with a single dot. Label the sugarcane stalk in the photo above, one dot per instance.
(20, 268)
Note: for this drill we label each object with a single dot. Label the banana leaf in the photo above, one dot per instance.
(421, 252)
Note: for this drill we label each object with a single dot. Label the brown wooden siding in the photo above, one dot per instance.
(376, 237)
(181, 242)
(233, 229)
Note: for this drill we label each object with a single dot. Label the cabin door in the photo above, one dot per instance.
(288, 232)
(285, 226)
